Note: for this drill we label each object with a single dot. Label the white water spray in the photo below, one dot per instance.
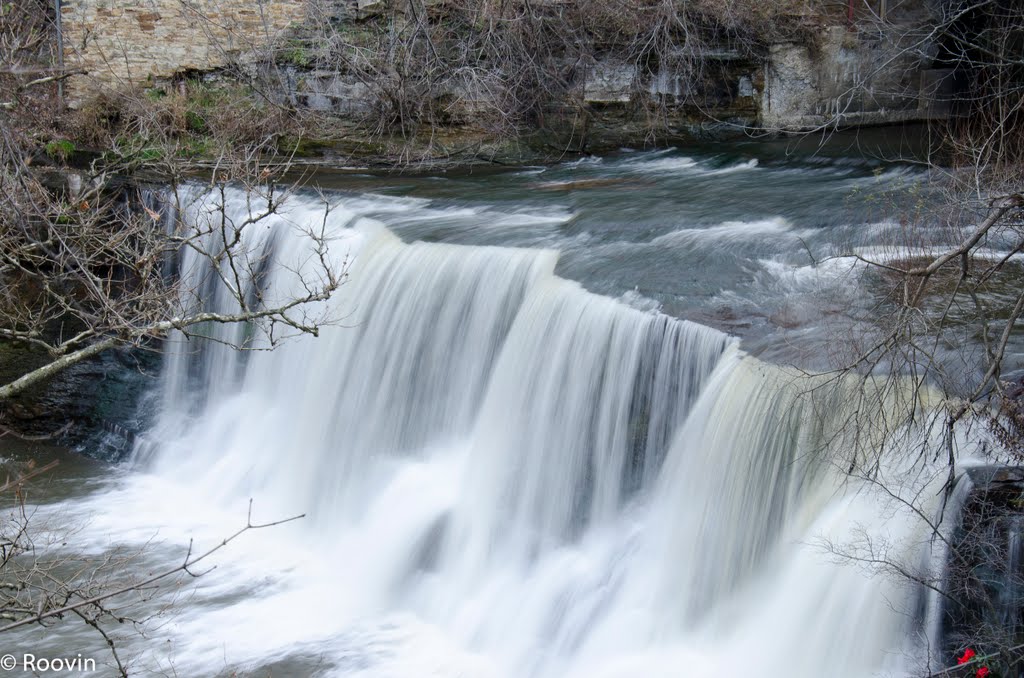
(507, 475)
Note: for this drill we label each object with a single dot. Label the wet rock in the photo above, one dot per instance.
(93, 406)
(985, 574)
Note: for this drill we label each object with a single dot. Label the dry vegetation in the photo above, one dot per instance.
(86, 264)
(509, 66)
(502, 69)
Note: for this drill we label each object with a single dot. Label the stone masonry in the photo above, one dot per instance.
(125, 42)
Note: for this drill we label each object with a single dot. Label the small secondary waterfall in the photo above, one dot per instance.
(554, 482)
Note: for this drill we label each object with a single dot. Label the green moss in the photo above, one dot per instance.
(303, 147)
(60, 149)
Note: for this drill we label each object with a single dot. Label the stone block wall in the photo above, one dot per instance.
(125, 42)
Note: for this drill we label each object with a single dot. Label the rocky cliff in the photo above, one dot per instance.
(374, 63)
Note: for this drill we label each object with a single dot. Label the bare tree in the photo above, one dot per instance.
(513, 69)
(84, 265)
(83, 271)
(945, 324)
(950, 278)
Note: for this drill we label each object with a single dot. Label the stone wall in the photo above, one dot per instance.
(126, 42)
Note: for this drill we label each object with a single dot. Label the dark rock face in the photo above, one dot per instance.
(94, 406)
(985, 578)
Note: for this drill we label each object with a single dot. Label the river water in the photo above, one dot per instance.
(550, 436)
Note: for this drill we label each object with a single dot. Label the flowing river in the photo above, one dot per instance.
(549, 437)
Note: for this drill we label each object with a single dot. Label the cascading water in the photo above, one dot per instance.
(507, 475)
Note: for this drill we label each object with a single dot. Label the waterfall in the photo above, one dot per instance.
(553, 482)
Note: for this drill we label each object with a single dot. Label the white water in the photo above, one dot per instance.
(505, 476)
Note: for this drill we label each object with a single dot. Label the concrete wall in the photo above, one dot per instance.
(124, 42)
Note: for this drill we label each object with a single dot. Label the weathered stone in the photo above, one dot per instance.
(745, 87)
(850, 79)
(126, 42)
(325, 91)
(609, 81)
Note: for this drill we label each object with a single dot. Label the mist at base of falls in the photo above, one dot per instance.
(505, 474)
